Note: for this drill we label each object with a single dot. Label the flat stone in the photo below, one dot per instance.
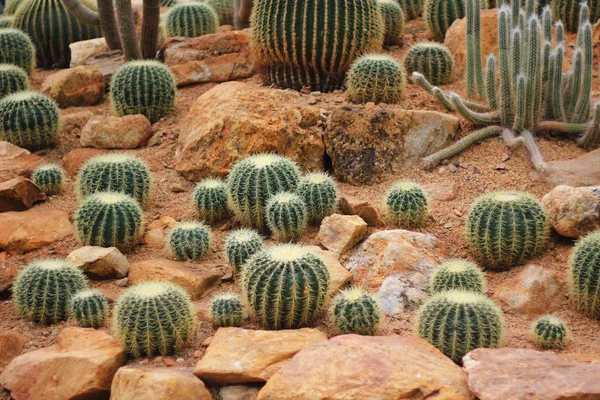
(573, 212)
(340, 233)
(19, 194)
(128, 132)
(15, 161)
(100, 262)
(28, 230)
(439, 192)
(370, 213)
(107, 63)
(581, 171)
(11, 345)
(76, 158)
(75, 87)
(158, 231)
(338, 275)
(86, 49)
(397, 296)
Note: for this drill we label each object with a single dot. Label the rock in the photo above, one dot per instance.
(235, 119)
(107, 63)
(74, 122)
(369, 145)
(15, 161)
(76, 158)
(157, 384)
(368, 367)
(500, 374)
(581, 171)
(100, 263)
(338, 275)
(237, 355)
(86, 49)
(8, 273)
(436, 192)
(573, 212)
(369, 213)
(158, 231)
(193, 278)
(19, 194)
(340, 233)
(27, 230)
(11, 345)
(396, 296)
(126, 132)
(238, 392)
(81, 365)
(533, 291)
(75, 87)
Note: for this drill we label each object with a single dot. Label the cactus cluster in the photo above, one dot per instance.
(412, 8)
(50, 178)
(433, 60)
(240, 245)
(406, 205)
(210, 200)
(191, 20)
(226, 310)
(584, 275)
(286, 216)
(319, 192)
(12, 79)
(355, 311)
(43, 290)
(550, 332)
(90, 308)
(154, 318)
(457, 274)
(376, 78)
(285, 285)
(393, 18)
(440, 14)
(568, 11)
(143, 87)
(190, 241)
(16, 48)
(224, 9)
(316, 42)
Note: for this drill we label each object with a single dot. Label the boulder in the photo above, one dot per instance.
(11, 345)
(370, 213)
(8, 273)
(107, 63)
(238, 392)
(76, 158)
(158, 231)
(580, 171)
(236, 356)
(235, 119)
(100, 262)
(368, 367)
(15, 161)
(73, 123)
(19, 194)
(439, 192)
(338, 275)
(573, 212)
(111, 132)
(75, 87)
(27, 230)
(340, 233)
(396, 296)
(81, 365)
(369, 145)
(86, 49)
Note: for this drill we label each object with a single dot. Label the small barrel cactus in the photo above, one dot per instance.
(224, 9)
(191, 20)
(568, 11)
(457, 322)
(30, 120)
(12, 79)
(550, 332)
(376, 77)
(355, 311)
(5, 21)
(226, 310)
(210, 200)
(584, 274)
(412, 8)
(286, 216)
(154, 318)
(16, 48)
(433, 60)
(143, 87)
(406, 205)
(109, 219)
(190, 241)
(285, 285)
(457, 274)
(393, 17)
(253, 181)
(116, 172)
(505, 229)
(50, 178)
(242, 244)
(319, 192)
(43, 290)
(440, 14)
(90, 308)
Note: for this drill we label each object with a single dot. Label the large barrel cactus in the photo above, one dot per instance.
(440, 14)
(191, 20)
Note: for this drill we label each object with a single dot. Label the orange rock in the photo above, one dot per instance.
(19, 194)
(340, 233)
(445, 191)
(8, 273)
(11, 345)
(100, 262)
(126, 132)
(15, 161)
(76, 158)
(75, 87)
(368, 212)
(573, 212)
(27, 230)
(158, 231)
(74, 122)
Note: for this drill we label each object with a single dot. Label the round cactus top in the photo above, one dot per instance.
(190, 226)
(264, 160)
(226, 297)
(464, 297)
(11, 67)
(430, 45)
(285, 197)
(406, 185)
(111, 197)
(152, 289)
(550, 319)
(457, 265)
(353, 293)
(51, 264)
(26, 95)
(287, 252)
(82, 294)
(114, 158)
(317, 177)
(211, 183)
(243, 235)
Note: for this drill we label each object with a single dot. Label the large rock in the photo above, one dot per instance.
(8, 273)
(369, 145)
(32, 229)
(515, 374)
(396, 295)
(107, 63)
(11, 345)
(81, 365)
(366, 367)
(573, 212)
(100, 262)
(111, 132)
(581, 171)
(76, 158)
(19, 194)
(439, 192)
(86, 49)
(340, 233)
(75, 87)
(73, 123)
(370, 213)
(158, 231)
(238, 392)
(238, 355)
(338, 275)
(15, 161)
(235, 119)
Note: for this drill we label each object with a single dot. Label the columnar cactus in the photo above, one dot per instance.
(154, 318)
(457, 322)
(568, 12)
(30, 120)
(406, 205)
(584, 275)
(226, 310)
(143, 87)
(210, 200)
(440, 14)
(43, 290)
(242, 244)
(412, 8)
(355, 311)
(224, 9)
(319, 192)
(190, 241)
(191, 20)
(505, 229)
(17, 48)
(393, 18)
(550, 332)
(457, 274)
(433, 60)
(317, 41)
(286, 216)
(285, 285)
(12, 79)
(377, 78)
(50, 178)
(109, 219)
(90, 308)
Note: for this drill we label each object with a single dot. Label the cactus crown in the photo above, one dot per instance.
(242, 244)
(457, 274)
(406, 205)
(550, 332)
(210, 200)
(12, 79)
(319, 192)
(584, 274)
(286, 216)
(226, 310)
(90, 308)
(433, 60)
(393, 17)
(190, 241)
(50, 178)
(16, 48)
(191, 20)
(376, 77)
(355, 311)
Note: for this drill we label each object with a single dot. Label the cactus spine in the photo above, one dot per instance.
(568, 11)
(210, 200)
(224, 9)
(393, 18)
(240, 245)
(286, 216)
(550, 332)
(376, 77)
(584, 275)
(90, 308)
(16, 48)
(226, 310)
(412, 8)
(433, 60)
(190, 241)
(319, 192)
(457, 275)
(12, 79)
(355, 311)
(406, 205)
(191, 20)
(50, 178)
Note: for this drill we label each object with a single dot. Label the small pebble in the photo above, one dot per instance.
(169, 362)
(452, 168)
(177, 189)
(122, 282)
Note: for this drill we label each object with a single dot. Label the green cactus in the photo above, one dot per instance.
(5, 21)
(568, 11)
(224, 9)
(109, 219)
(17, 48)
(90, 308)
(286, 216)
(550, 333)
(154, 318)
(440, 14)
(50, 178)
(43, 289)
(210, 200)
(30, 120)
(52, 28)
(242, 244)
(226, 310)
(584, 274)
(11, 6)
(319, 192)
(285, 285)
(376, 77)
(116, 172)
(433, 60)
(190, 241)
(505, 229)
(191, 20)
(412, 8)
(317, 41)
(355, 311)
(393, 18)
(167, 3)
(253, 180)
(457, 322)
(406, 205)
(457, 274)
(143, 87)
(12, 79)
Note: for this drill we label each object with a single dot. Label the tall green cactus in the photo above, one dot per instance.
(440, 14)
(12, 79)
(393, 18)
(355, 311)
(286, 216)
(17, 48)
(376, 78)
(584, 275)
(191, 20)
(433, 60)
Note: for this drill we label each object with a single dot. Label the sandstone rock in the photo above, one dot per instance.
(81, 365)
(100, 263)
(238, 392)
(235, 119)
(19, 194)
(15, 161)
(158, 231)
(368, 212)
(8, 273)
(501, 374)
(396, 296)
(445, 191)
(366, 367)
(238, 355)
(107, 63)
(74, 122)
(27, 230)
(126, 132)
(86, 49)
(370, 145)
(573, 212)
(193, 278)
(338, 275)
(157, 384)
(340, 233)
(581, 171)
(75, 87)
(11, 345)
(76, 158)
